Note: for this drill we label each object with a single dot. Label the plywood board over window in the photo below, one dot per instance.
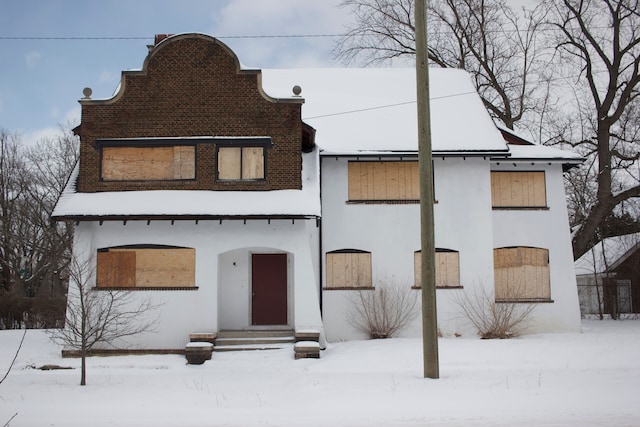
(348, 269)
(148, 163)
(236, 163)
(146, 267)
(447, 268)
(369, 181)
(513, 189)
(521, 273)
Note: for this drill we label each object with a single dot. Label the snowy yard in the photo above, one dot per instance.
(587, 379)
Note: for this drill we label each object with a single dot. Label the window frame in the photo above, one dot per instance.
(242, 143)
(538, 268)
(411, 190)
(360, 256)
(143, 144)
(503, 202)
(417, 269)
(133, 275)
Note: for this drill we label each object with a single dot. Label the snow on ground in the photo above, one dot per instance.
(587, 379)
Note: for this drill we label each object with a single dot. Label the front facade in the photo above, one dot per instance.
(204, 186)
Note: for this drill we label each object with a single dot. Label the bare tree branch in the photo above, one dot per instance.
(497, 46)
(100, 317)
(602, 39)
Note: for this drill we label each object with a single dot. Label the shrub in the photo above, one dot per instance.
(503, 319)
(384, 311)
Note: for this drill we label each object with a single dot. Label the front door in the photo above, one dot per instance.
(269, 289)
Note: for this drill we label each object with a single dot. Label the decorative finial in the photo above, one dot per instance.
(87, 92)
(297, 90)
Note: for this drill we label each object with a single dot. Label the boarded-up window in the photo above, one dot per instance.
(349, 269)
(146, 267)
(236, 163)
(148, 163)
(518, 189)
(521, 273)
(384, 181)
(447, 268)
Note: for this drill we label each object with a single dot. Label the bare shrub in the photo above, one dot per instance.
(384, 311)
(494, 319)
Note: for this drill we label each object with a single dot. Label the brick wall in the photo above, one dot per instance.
(191, 86)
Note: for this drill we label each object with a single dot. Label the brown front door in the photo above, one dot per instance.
(269, 289)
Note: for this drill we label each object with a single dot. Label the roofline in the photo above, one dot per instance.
(173, 218)
(622, 258)
(414, 153)
(162, 42)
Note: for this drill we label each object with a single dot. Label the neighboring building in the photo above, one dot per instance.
(203, 183)
(608, 277)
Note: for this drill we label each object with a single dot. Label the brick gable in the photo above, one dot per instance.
(191, 85)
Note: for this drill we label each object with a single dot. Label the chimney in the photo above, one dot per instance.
(160, 37)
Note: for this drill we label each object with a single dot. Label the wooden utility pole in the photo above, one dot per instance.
(428, 252)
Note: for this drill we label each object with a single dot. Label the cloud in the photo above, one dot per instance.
(241, 17)
(69, 119)
(280, 18)
(32, 58)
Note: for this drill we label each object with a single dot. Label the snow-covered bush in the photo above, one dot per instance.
(494, 319)
(384, 311)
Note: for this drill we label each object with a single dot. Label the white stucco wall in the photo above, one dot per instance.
(547, 229)
(391, 233)
(218, 245)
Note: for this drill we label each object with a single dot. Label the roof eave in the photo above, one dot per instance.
(173, 218)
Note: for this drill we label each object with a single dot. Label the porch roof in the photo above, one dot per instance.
(194, 204)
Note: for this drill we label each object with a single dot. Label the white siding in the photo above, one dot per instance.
(223, 295)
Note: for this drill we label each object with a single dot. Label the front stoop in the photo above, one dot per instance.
(203, 337)
(307, 350)
(307, 344)
(198, 352)
(243, 340)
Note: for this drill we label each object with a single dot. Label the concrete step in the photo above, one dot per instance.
(253, 340)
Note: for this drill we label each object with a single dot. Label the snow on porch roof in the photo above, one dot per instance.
(194, 204)
(373, 110)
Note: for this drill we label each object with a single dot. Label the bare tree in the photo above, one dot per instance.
(601, 40)
(100, 317)
(499, 47)
(33, 252)
(385, 311)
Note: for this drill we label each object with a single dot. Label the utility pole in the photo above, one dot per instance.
(425, 165)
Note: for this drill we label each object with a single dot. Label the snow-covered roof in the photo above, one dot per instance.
(355, 111)
(196, 203)
(609, 252)
(522, 148)
(542, 152)
(373, 110)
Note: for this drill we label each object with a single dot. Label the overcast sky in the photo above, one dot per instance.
(41, 80)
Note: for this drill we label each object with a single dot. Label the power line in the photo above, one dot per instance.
(379, 107)
(261, 36)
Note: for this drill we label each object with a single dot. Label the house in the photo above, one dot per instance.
(608, 277)
(212, 188)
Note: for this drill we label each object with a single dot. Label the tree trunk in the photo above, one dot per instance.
(83, 369)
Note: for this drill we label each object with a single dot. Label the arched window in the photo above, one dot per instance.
(521, 273)
(348, 269)
(447, 268)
